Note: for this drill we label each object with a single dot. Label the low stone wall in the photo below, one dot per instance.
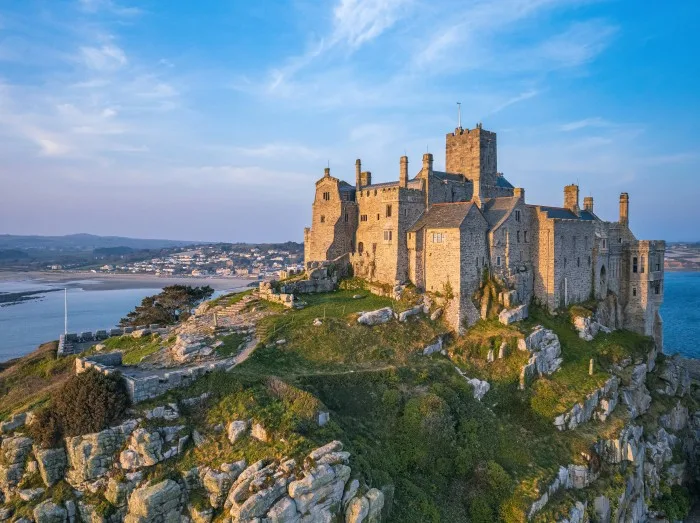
(144, 386)
(75, 343)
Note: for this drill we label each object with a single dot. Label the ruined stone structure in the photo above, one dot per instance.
(445, 231)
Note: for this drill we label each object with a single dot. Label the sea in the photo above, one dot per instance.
(25, 325)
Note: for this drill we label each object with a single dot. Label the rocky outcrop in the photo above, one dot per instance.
(161, 502)
(92, 455)
(148, 447)
(433, 347)
(49, 512)
(675, 377)
(599, 403)
(13, 457)
(376, 317)
(508, 316)
(587, 327)
(237, 430)
(52, 464)
(480, 387)
(188, 347)
(636, 395)
(545, 354)
(677, 419)
(15, 422)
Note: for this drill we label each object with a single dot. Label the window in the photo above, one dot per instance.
(498, 261)
(387, 236)
(363, 218)
(346, 217)
(641, 265)
(604, 243)
(658, 265)
(619, 240)
(323, 219)
(374, 248)
(439, 237)
(657, 287)
(634, 264)
(388, 211)
(476, 261)
(525, 236)
(589, 263)
(483, 262)
(634, 291)
(517, 215)
(326, 196)
(360, 247)
(565, 263)
(377, 216)
(517, 235)
(578, 262)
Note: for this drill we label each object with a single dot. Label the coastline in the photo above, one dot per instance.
(91, 281)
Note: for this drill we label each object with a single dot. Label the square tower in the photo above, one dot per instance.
(472, 152)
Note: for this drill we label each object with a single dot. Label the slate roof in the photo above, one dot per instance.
(502, 182)
(565, 214)
(495, 209)
(443, 216)
(346, 187)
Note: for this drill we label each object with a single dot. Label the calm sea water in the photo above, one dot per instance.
(681, 313)
(25, 325)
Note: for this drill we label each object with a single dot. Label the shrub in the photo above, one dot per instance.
(90, 402)
(46, 429)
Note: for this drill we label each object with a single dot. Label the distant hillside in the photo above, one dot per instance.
(84, 242)
(13, 254)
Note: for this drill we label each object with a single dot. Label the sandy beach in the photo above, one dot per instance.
(102, 282)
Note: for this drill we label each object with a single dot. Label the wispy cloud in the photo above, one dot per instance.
(586, 122)
(104, 58)
(109, 6)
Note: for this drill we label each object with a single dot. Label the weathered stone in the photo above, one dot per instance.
(52, 464)
(15, 422)
(284, 511)
(30, 494)
(200, 514)
(49, 512)
(480, 387)
(508, 316)
(157, 503)
(237, 430)
(677, 419)
(260, 433)
(376, 317)
(436, 314)
(414, 311)
(13, 455)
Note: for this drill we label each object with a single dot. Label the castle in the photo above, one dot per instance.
(446, 231)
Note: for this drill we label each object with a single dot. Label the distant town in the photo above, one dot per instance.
(254, 262)
(682, 257)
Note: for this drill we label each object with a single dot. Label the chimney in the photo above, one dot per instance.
(519, 193)
(327, 171)
(358, 173)
(571, 198)
(366, 178)
(403, 172)
(427, 164)
(624, 209)
(588, 203)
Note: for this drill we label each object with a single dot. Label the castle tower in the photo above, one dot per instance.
(403, 172)
(571, 198)
(472, 152)
(588, 203)
(624, 209)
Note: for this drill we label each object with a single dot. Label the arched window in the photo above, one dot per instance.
(360, 248)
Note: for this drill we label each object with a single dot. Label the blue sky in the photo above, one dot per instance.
(211, 120)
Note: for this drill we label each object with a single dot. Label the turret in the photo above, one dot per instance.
(571, 198)
(624, 209)
(403, 172)
(588, 203)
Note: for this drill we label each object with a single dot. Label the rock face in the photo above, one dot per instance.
(12, 424)
(480, 387)
(91, 456)
(157, 503)
(49, 512)
(52, 464)
(675, 378)
(13, 456)
(376, 317)
(148, 447)
(599, 403)
(508, 316)
(545, 349)
(187, 347)
(587, 327)
(636, 395)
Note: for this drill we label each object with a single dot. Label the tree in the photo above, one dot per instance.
(171, 305)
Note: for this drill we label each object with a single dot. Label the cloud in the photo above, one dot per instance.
(279, 151)
(109, 6)
(360, 21)
(105, 58)
(514, 100)
(586, 122)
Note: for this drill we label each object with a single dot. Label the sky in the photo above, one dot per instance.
(211, 120)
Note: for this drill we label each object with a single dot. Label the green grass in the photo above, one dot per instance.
(231, 344)
(135, 349)
(226, 300)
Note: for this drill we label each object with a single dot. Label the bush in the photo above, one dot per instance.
(87, 402)
(46, 430)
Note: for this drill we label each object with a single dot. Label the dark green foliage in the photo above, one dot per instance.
(87, 402)
(46, 430)
(172, 304)
(674, 503)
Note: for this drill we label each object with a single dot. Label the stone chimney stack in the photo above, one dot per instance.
(403, 172)
(327, 172)
(571, 198)
(358, 173)
(588, 203)
(427, 164)
(624, 209)
(519, 193)
(365, 178)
